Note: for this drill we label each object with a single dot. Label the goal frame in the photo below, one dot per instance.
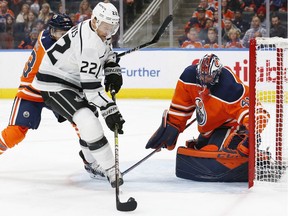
(279, 100)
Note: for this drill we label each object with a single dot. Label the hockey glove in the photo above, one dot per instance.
(113, 76)
(166, 135)
(237, 141)
(112, 117)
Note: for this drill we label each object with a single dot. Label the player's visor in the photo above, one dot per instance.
(106, 28)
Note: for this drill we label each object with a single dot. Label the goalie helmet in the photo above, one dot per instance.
(106, 12)
(208, 70)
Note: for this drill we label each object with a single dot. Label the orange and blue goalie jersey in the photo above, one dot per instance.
(31, 68)
(224, 104)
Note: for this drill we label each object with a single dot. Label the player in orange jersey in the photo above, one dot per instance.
(221, 102)
(28, 103)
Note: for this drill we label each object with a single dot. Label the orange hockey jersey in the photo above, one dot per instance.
(224, 104)
(31, 68)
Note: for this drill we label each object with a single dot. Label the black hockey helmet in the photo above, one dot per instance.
(60, 21)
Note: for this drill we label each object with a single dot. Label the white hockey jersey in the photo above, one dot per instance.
(76, 62)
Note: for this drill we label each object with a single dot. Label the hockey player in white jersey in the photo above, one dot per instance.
(70, 76)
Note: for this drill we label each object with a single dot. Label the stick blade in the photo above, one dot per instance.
(130, 205)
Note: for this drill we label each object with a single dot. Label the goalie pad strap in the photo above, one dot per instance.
(207, 154)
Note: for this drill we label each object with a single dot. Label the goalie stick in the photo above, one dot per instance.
(153, 152)
(131, 204)
(154, 40)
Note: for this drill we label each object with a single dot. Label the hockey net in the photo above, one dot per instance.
(268, 157)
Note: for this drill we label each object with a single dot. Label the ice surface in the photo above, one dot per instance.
(44, 176)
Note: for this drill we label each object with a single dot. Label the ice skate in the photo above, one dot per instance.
(94, 169)
(110, 173)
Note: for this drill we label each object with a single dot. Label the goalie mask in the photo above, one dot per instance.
(107, 18)
(208, 70)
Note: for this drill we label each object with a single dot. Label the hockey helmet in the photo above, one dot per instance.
(106, 12)
(60, 21)
(59, 24)
(208, 70)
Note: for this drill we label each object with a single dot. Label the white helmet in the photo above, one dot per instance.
(106, 12)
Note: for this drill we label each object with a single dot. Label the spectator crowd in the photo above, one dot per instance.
(22, 20)
(201, 30)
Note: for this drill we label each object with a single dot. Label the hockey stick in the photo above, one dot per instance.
(131, 204)
(154, 40)
(153, 152)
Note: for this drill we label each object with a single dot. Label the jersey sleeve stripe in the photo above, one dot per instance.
(49, 79)
(182, 107)
(32, 94)
(34, 91)
(180, 113)
(241, 116)
(91, 85)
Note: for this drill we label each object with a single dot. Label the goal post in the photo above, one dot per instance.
(268, 151)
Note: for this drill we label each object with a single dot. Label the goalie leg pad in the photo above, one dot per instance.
(215, 140)
(166, 135)
(210, 166)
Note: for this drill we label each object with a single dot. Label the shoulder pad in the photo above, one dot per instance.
(189, 74)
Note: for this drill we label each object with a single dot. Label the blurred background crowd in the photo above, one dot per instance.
(22, 20)
(241, 20)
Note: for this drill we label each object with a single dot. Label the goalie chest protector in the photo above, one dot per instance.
(206, 166)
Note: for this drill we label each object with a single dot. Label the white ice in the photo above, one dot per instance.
(44, 176)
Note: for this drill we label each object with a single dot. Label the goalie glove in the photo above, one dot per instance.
(166, 135)
(112, 117)
(237, 141)
(113, 76)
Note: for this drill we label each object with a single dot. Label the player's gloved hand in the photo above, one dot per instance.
(113, 76)
(116, 57)
(166, 135)
(243, 145)
(239, 141)
(112, 117)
